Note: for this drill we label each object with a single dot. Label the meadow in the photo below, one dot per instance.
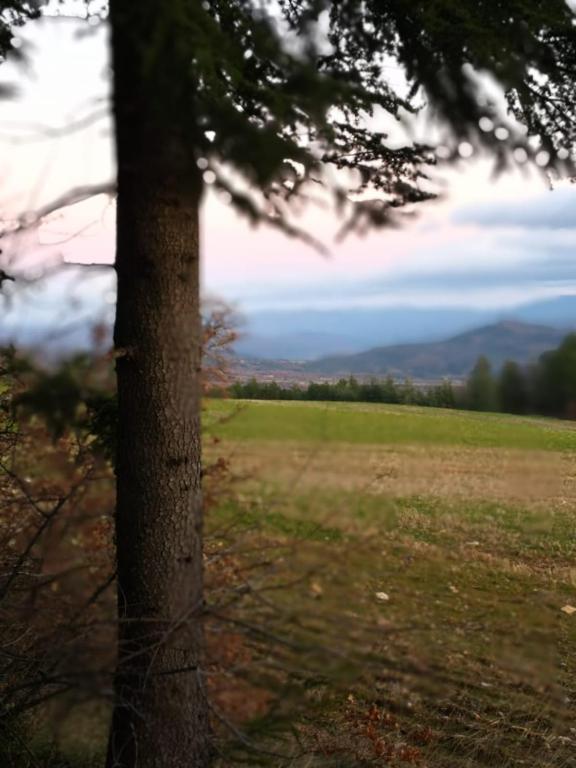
(436, 549)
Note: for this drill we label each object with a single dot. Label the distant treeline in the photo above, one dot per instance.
(351, 390)
(546, 388)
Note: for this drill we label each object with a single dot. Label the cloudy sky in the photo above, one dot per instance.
(488, 242)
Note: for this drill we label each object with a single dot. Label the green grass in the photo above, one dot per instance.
(502, 528)
(383, 424)
(471, 645)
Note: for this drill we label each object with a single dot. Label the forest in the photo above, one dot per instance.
(547, 388)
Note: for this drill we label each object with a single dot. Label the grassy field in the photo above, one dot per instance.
(439, 544)
(377, 424)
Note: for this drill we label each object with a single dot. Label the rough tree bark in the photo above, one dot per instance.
(160, 718)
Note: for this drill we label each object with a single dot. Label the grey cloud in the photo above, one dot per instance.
(553, 210)
(523, 277)
(553, 271)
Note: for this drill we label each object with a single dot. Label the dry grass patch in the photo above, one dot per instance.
(480, 473)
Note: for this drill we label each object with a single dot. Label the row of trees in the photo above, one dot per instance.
(444, 395)
(547, 388)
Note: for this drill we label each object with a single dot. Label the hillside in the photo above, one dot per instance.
(308, 334)
(452, 358)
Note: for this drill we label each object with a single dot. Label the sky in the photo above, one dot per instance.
(488, 242)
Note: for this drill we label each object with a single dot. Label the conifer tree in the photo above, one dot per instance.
(221, 92)
(555, 380)
(512, 389)
(481, 387)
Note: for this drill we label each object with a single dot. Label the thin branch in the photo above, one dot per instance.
(77, 195)
(89, 264)
(45, 132)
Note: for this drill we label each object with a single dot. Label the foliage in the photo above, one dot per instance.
(57, 604)
(219, 333)
(57, 439)
(285, 101)
(512, 389)
(55, 551)
(351, 390)
(61, 396)
(481, 387)
(528, 47)
(275, 100)
(547, 388)
(554, 388)
(15, 13)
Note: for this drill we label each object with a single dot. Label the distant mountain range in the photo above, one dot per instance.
(404, 341)
(453, 358)
(303, 335)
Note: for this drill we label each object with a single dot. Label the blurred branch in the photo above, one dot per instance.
(44, 132)
(77, 195)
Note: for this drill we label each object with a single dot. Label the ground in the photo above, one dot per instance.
(430, 554)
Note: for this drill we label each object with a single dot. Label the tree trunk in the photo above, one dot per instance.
(160, 718)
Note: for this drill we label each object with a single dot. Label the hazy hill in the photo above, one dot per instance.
(297, 335)
(559, 311)
(298, 346)
(306, 334)
(452, 358)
